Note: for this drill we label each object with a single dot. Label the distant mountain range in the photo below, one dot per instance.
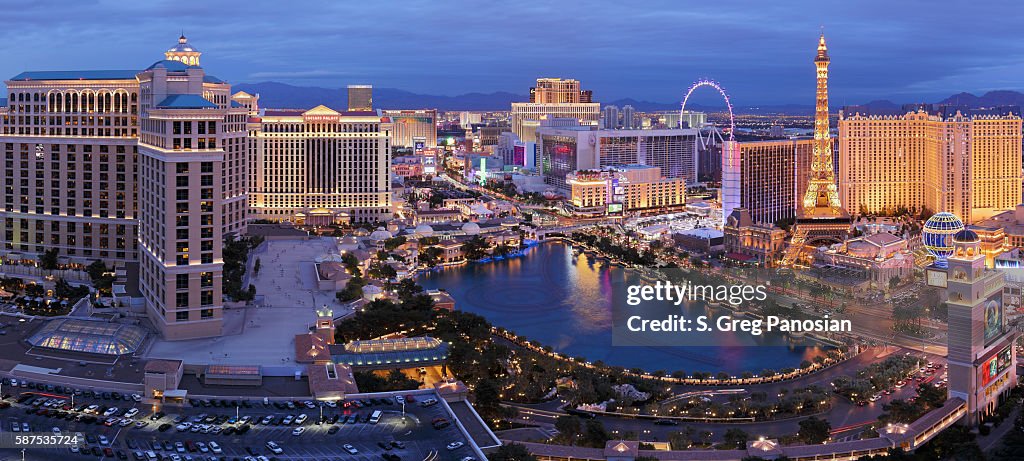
(281, 95)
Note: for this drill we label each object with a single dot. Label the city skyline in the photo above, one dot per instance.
(652, 57)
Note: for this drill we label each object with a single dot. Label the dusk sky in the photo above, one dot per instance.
(906, 51)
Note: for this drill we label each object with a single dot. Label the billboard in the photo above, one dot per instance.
(614, 208)
(995, 365)
(993, 317)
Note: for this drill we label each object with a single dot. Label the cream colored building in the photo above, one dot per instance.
(71, 179)
(409, 126)
(766, 178)
(320, 166)
(969, 165)
(192, 174)
(624, 190)
(553, 98)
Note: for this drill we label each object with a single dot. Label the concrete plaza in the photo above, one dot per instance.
(263, 334)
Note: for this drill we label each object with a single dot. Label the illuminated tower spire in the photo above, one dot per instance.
(822, 199)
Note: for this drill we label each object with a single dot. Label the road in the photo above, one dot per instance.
(846, 418)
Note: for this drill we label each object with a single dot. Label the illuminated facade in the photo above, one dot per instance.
(821, 199)
(745, 239)
(410, 127)
(982, 360)
(564, 150)
(320, 166)
(624, 190)
(553, 98)
(72, 181)
(966, 164)
(761, 177)
(192, 192)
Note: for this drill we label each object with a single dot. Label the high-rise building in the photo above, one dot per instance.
(966, 163)
(761, 177)
(81, 147)
(624, 190)
(981, 354)
(408, 126)
(553, 98)
(628, 117)
(558, 91)
(191, 173)
(360, 98)
(320, 166)
(566, 149)
(610, 117)
(70, 140)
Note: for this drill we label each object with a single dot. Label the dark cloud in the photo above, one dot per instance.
(903, 50)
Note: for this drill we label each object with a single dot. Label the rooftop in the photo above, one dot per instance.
(76, 75)
(92, 336)
(186, 101)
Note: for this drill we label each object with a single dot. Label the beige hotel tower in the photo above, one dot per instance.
(127, 166)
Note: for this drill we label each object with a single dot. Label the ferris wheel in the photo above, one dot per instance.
(715, 85)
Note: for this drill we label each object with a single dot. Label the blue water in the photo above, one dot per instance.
(564, 301)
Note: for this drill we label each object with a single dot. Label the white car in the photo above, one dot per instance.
(301, 419)
(92, 409)
(454, 445)
(400, 399)
(215, 448)
(202, 447)
(350, 449)
(298, 431)
(125, 422)
(288, 419)
(183, 427)
(179, 447)
(15, 427)
(56, 431)
(137, 397)
(274, 448)
(104, 440)
(131, 413)
(110, 411)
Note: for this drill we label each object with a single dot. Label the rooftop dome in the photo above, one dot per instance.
(381, 234)
(424, 230)
(966, 236)
(471, 228)
(182, 45)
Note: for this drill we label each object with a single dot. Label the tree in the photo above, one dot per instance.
(814, 431)
(570, 427)
(736, 439)
(49, 259)
(894, 282)
(594, 434)
(511, 452)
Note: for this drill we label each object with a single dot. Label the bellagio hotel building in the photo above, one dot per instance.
(130, 166)
(968, 164)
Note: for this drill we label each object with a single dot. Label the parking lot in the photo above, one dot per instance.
(409, 437)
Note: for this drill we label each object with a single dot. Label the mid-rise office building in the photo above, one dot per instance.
(553, 98)
(320, 166)
(360, 98)
(416, 129)
(965, 163)
(563, 150)
(762, 177)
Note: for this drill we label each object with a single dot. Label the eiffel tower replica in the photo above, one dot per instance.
(820, 214)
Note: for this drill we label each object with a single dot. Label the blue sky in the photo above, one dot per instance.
(904, 50)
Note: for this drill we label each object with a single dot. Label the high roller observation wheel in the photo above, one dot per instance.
(715, 85)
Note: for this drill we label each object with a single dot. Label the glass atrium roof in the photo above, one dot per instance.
(90, 336)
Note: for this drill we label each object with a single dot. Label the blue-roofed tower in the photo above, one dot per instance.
(191, 192)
